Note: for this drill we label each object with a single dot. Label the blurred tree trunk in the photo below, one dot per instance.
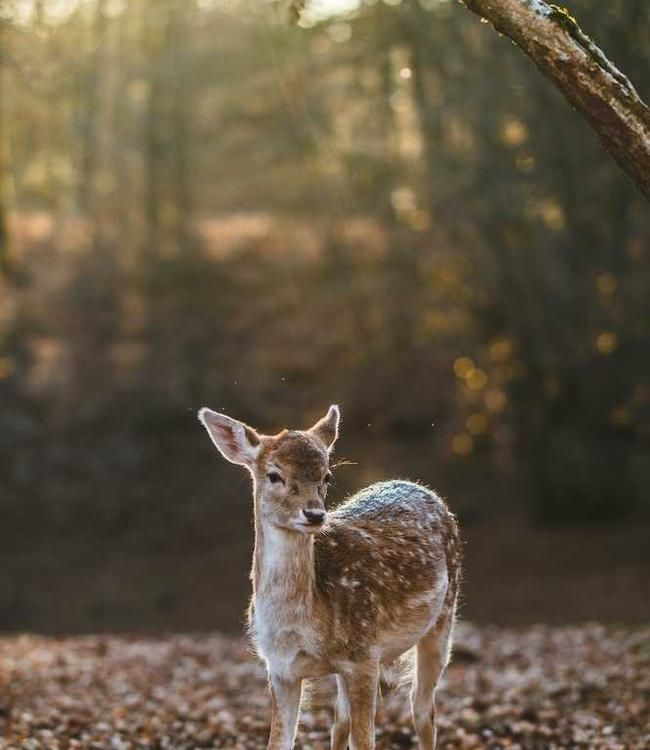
(5, 243)
(387, 123)
(153, 154)
(38, 12)
(417, 39)
(590, 82)
(153, 148)
(89, 116)
(5, 252)
(427, 119)
(177, 31)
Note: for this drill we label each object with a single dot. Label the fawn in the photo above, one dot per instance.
(346, 591)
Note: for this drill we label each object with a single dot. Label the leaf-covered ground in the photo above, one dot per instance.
(577, 687)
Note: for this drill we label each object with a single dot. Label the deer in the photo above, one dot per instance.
(342, 592)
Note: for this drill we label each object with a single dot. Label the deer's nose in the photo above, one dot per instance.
(314, 517)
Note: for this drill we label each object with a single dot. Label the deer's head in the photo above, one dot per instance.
(290, 470)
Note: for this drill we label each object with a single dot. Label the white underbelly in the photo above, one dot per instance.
(395, 643)
(420, 615)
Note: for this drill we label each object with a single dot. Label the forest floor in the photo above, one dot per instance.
(539, 687)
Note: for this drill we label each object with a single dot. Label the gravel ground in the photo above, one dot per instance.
(574, 687)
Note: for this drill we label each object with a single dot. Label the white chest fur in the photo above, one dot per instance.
(286, 638)
(283, 621)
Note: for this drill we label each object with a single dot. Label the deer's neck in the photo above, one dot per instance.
(283, 564)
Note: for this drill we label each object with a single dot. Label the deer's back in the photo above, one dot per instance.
(387, 567)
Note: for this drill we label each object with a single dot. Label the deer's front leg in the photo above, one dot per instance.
(285, 705)
(361, 684)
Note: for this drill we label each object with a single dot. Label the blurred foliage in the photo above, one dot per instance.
(389, 208)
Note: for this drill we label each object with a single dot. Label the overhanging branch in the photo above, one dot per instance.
(586, 77)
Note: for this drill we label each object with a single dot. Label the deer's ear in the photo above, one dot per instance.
(327, 428)
(235, 440)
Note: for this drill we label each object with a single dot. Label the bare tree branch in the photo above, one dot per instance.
(590, 82)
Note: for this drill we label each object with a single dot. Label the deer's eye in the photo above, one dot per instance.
(328, 477)
(274, 477)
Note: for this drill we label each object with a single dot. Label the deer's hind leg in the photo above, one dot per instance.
(432, 655)
(341, 726)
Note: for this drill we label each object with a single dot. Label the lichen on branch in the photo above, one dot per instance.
(563, 18)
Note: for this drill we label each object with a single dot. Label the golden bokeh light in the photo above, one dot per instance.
(403, 199)
(500, 349)
(514, 132)
(476, 379)
(607, 342)
(495, 400)
(462, 444)
(552, 214)
(463, 366)
(476, 424)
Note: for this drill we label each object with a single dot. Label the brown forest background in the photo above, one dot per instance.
(389, 209)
